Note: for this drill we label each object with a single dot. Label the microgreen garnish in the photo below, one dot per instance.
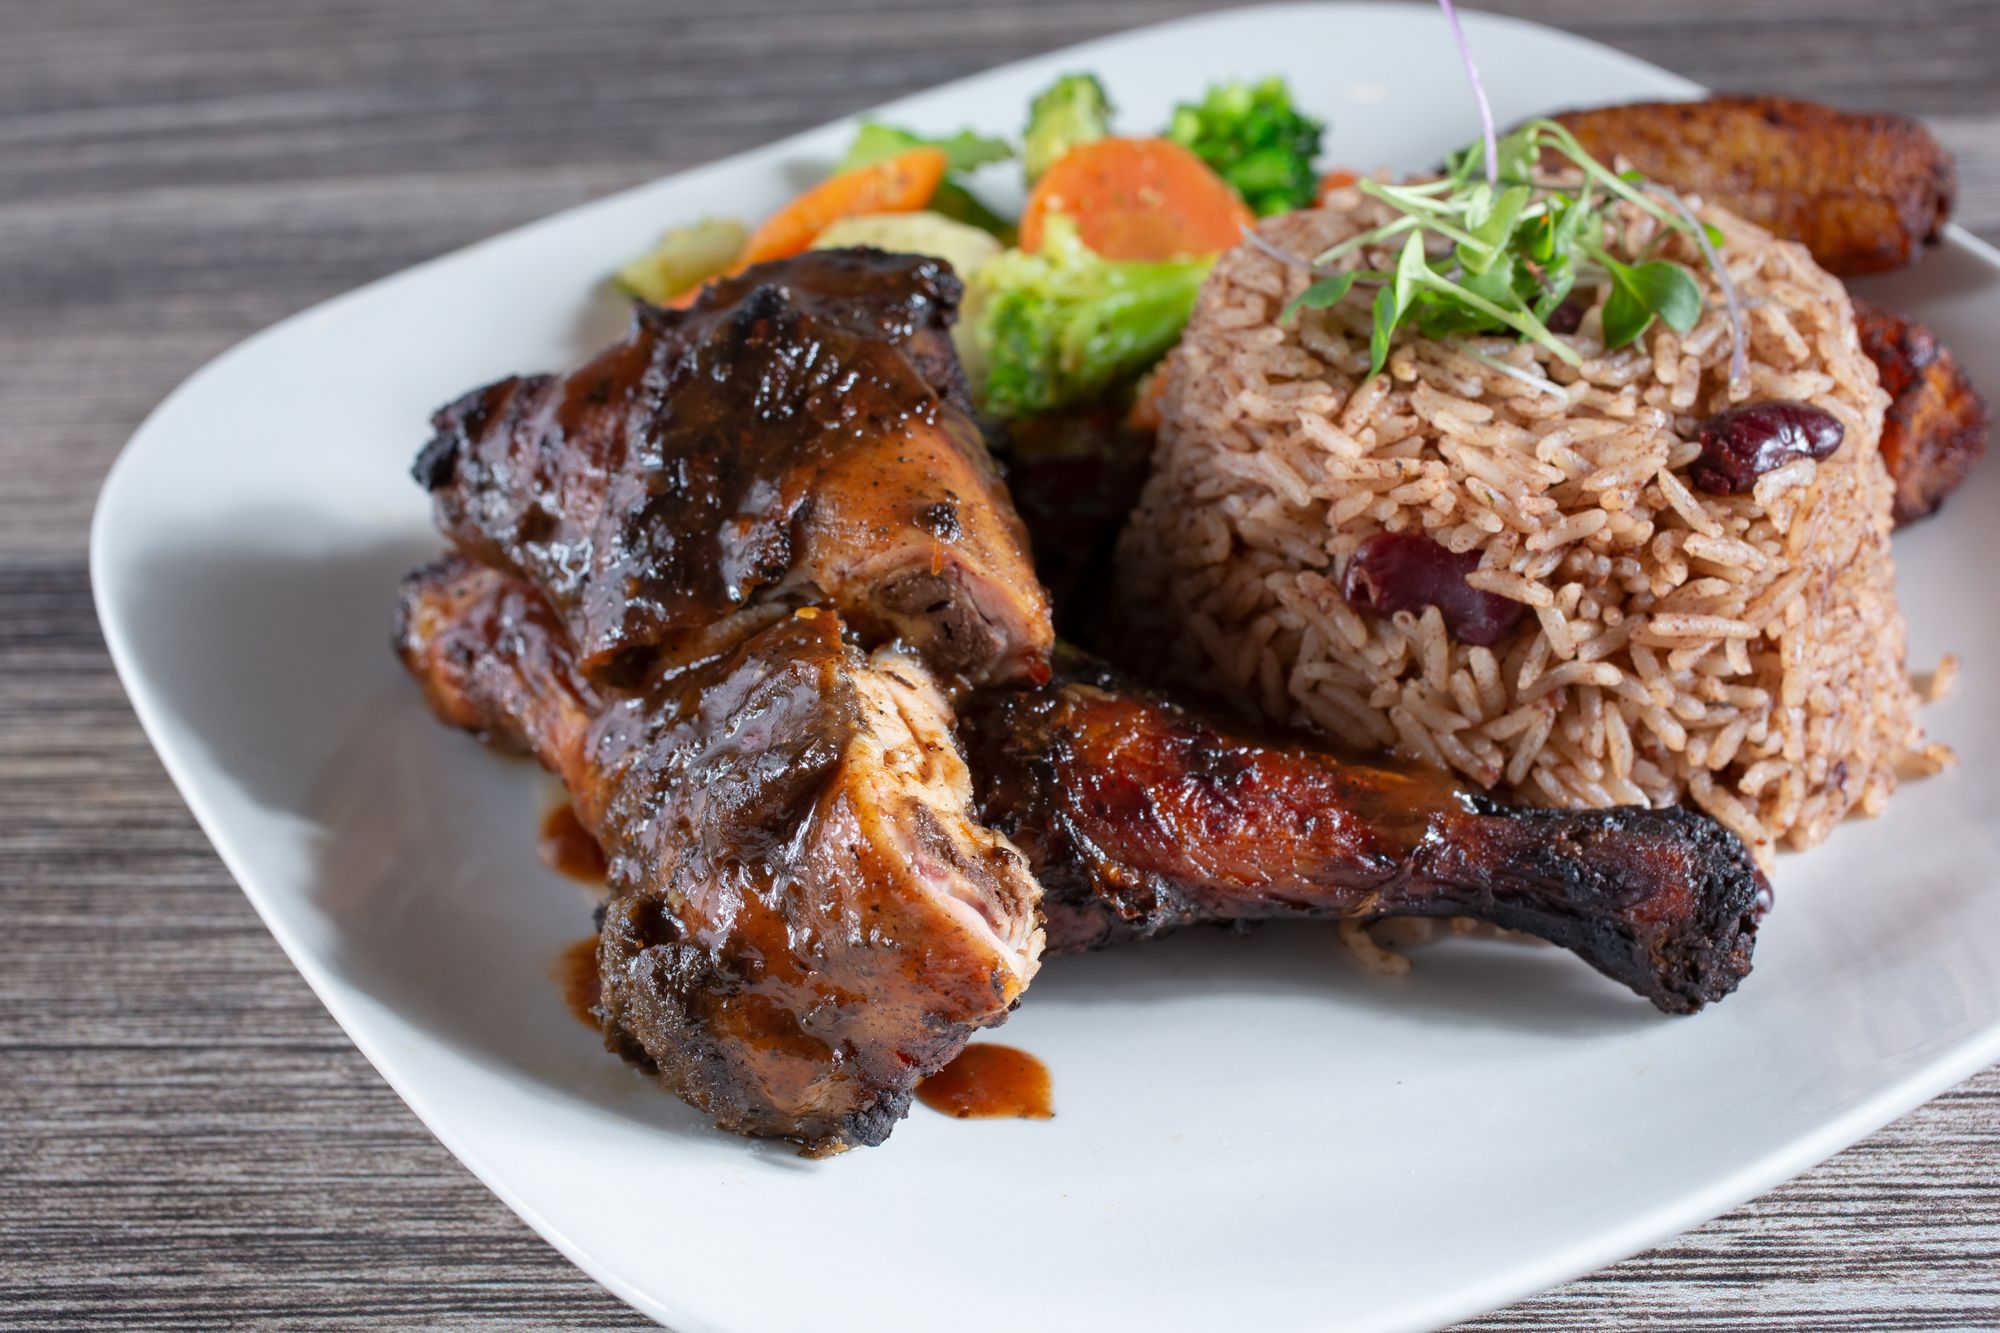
(1533, 381)
(1710, 240)
(1496, 253)
(1257, 242)
(1323, 293)
(1641, 291)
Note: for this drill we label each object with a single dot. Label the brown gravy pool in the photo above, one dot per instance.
(567, 848)
(988, 1081)
(575, 971)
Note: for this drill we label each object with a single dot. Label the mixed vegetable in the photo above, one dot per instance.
(1070, 304)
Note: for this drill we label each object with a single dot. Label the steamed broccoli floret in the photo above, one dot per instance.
(1074, 110)
(1256, 140)
(1062, 325)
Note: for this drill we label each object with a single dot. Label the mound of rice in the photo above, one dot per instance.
(1743, 652)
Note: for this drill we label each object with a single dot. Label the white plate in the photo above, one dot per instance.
(1249, 1133)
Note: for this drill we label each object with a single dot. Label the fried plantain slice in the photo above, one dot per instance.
(1863, 191)
(1935, 428)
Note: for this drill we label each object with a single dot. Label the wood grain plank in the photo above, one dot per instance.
(189, 1142)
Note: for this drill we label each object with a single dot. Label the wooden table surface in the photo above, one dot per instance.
(186, 1139)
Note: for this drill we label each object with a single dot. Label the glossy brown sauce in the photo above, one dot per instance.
(988, 1081)
(566, 846)
(575, 971)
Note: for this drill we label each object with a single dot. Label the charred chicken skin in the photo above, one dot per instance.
(800, 435)
(1140, 817)
(806, 917)
(1935, 428)
(1864, 191)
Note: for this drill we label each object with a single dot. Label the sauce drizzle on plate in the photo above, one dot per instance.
(575, 970)
(989, 1082)
(568, 848)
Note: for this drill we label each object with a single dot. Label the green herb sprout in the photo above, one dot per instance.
(1517, 245)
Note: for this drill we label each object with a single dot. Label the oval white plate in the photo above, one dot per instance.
(1250, 1133)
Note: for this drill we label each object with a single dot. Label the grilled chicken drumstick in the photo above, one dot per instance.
(800, 435)
(807, 919)
(1140, 817)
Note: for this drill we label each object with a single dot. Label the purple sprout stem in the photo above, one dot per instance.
(1739, 356)
(1478, 93)
(1257, 242)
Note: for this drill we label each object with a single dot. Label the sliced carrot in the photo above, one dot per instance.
(1146, 402)
(900, 184)
(1143, 200)
(1335, 180)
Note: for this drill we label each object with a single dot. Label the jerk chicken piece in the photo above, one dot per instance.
(1864, 191)
(492, 659)
(1140, 817)
(1935, 428)
(806, 918)
(800, 435)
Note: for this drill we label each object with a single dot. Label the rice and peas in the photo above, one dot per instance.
(1742, 652)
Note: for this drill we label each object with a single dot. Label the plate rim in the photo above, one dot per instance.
(1638, 1232)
